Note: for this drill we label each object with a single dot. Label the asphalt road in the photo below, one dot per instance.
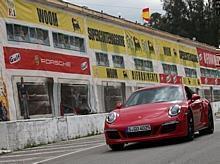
(92, 150)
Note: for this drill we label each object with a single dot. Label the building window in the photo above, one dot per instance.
(169, 69)
(143, 65)
(216, 94)
(68, 42)
(27, 34)
(209, 73)
(74, 99)
(208, 94)
(118, 61)
(102, 59)
(167, 51)
(113, 93)
(190, 72)
(35, 97)
(202, 70)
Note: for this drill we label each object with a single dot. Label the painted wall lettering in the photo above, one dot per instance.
(47, 17)
(111, 73)
(106, 37)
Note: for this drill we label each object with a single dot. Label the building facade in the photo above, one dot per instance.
(61, 59)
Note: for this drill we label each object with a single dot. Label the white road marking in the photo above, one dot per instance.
(54, 148)
(60, 144)
(23, 155)
(20, 160)
(80, 150)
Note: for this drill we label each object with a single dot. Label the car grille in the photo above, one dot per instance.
(113, 135)
(137, 134)
(168, 128)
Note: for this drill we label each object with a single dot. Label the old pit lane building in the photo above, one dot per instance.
(59, 59)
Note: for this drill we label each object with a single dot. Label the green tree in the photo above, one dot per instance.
(175, 17)
(189, 18)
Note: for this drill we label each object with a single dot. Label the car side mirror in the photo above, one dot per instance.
(119, 105)
(195, 97)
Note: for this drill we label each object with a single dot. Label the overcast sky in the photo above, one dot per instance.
(128, 9)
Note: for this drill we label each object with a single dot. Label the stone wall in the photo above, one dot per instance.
(27, 133)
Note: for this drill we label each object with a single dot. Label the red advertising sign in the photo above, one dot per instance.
(17, 58)
(207, 58)
(217, 63)
(210, 81)
(172, 79)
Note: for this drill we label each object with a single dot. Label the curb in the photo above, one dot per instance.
(5, 151)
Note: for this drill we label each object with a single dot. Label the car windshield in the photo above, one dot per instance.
(156, 95)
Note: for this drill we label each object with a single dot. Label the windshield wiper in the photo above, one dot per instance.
(160, 101)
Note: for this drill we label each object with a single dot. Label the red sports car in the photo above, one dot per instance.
(158, 112)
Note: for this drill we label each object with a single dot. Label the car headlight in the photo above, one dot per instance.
(174, 110)
(111, 117)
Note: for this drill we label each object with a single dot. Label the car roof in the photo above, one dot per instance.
(160, 86)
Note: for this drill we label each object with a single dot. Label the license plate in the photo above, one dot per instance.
(139, 128)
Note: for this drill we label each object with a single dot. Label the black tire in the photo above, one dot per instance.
(210, 128)
(116, 147)
(190, 127)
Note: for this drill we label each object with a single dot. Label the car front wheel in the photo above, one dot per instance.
(210, 128)
(190, 127)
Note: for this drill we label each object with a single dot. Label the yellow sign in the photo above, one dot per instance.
(191, 81)
(145, 46)
(4, 99)
(105, 37)
(111, 73)
(40, 14)
(140, 45)
(188, 56)
(167, 51)
(122, 74)
(145, 76)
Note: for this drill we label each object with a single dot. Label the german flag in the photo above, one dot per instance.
(146, 14)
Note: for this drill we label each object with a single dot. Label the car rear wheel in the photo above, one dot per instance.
(210, 128)
(117, 147)
(190, 127)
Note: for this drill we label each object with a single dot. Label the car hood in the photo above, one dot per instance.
(145, 111)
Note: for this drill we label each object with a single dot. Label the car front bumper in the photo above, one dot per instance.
(171, 128)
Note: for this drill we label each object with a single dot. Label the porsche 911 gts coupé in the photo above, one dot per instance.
(156, 113)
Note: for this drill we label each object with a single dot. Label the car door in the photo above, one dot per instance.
(197, 109)
(196, 106)
(204, 113)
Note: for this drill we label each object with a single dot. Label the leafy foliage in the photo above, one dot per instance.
(189, 18)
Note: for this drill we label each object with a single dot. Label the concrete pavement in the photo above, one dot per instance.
(92, 150)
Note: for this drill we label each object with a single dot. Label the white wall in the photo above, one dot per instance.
(25, 133)
(215, 107)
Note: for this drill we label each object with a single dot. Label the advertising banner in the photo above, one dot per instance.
(188, 56)
(35, 13)
(191, 81)
(4, 101)
(172, 79)
(166, 51)
(105, 37)
(206, 58)
(145, 46)
(111, 73)
(140, 45)
(210, 81)
(217, 61)
(122, 74)
(145, 76)
(17, 58)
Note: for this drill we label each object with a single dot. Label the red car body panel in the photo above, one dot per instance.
(156, 115)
